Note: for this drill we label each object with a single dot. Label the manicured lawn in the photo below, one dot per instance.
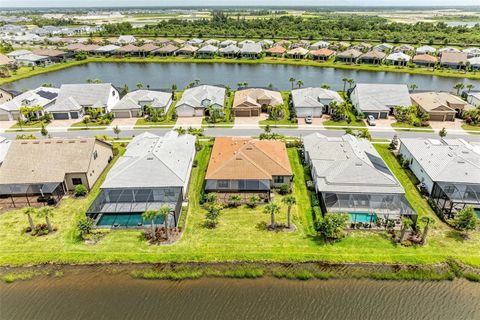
(471, 128)
(398, 126)
(239, 236)
(29, 125)
(344, 124)
(286, 114)
(166, 122)
(77, 126)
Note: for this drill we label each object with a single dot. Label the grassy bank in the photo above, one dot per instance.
(26, 72)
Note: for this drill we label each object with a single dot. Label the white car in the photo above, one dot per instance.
(371, 120)
(308, 120)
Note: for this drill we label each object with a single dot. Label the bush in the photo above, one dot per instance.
(80, 190)
(253, 201)
(84, 226)
(284, 189)
(41, 229)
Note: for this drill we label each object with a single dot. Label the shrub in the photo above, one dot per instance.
(41, 229)
(234, 200)
(253, 201)
(84, 226)
(80, 190)
(284, 189)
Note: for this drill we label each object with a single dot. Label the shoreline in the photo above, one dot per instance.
(448, 271)
(266, 60)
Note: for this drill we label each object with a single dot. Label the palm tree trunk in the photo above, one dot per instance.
(30, 221)
(272, 216)
(289, 217)
(424, 234)
(49, 226)
(153, 229)
(344, 85)
(166, 226)
(402, 234)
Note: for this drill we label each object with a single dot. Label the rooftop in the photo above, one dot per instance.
(195, 96)
(314, 97)
(381, 97)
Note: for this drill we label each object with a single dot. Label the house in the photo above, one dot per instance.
(6, 95)
(194, 42)
(230, 51)
(404, 48)
(18, 53)
(247, 166)
(186, 50)
(213, 42)
(37, 172)
(474, 63)
(283, 43)
(153, 172)
(448, 169)
(379, 100)
(32, 60)
(372, 57)
(5, 61)
(313, 101)
(350, 176)
(319, 45)
(251, 102)
(168, 50)
(448, 50)
(275, 51)
(80, 47)
(440, 106)
(41, 96)
(207, 51)
(53, 54)
(383, 47)
(129, 49)
(301, 44)
(474, 98)
(297, 53)
(398, 59)
(426, 50)
(265, 43)
(108, 49)
(126, 40)
(472, 52)
(425, 60)
(251, 50)
(4, 146)
(148, 48)
(454, 60)
(74, 100)
(133, 103)
(228, 42)
(322, 54)
(244, 42)
(348, 56)
(364, 47)
(196, 101)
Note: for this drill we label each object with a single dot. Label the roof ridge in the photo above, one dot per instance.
(275, 160)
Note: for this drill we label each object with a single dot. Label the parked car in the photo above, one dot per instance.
(308, 119)
(371, 120)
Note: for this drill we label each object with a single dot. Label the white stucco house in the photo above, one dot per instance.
(195, 101)
(313, 101)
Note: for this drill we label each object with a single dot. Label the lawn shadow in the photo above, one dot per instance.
(457, 235)
(262, 226)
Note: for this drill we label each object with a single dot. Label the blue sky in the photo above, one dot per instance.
(96, 3)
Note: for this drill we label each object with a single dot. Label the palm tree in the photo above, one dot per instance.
(427, 221)
(29, 212)
(164, 212)
(292, 80)
(442, 133)
(117, 131)
(470, 87)
(344, 84)
(181, 131)
(139, 85)
(289, 201)
(174, 88)
(125, 89)
(325, 86)
(46, 212)
(413, 86)
(299, 83)
(272, 209)
(350, 83)
(151, 215)
(44, 131)
(86, 120)
(459, 86)
(406, 224)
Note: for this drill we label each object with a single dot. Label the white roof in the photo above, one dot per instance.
(73, 96)
(41, 96)
(349, 164)
(231, 48)
(126, 39)
(314, 97)
(251, 48)
(381, 97)
(18, 53)
(195, 96)
(31, 57)
(209, 48)
(138, 98)
(108, 48)
(398, 56)
(474, 61)
(449, 49)
(447, 160)
(152, 161)
(4, 146)
(426, 49)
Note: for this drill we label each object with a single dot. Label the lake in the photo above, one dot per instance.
(163, 75)
(97, 295)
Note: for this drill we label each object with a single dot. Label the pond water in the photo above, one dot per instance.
(163, 75)
(97, 295)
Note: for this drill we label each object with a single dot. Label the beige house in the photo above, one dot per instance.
(41, 168)
(251, 102)
(440, 106)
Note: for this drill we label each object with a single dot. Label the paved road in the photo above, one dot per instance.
(379, 134)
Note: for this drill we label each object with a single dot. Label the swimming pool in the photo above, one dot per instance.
(124, 220)
(363, 217)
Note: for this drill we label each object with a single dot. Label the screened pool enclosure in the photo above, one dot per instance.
(451, 197)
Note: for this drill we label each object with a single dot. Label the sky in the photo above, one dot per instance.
(120, 3)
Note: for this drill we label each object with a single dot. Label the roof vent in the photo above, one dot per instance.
(149, 158)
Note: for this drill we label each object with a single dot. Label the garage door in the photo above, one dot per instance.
(198, 112)
(242, 113)
(122, 114)
(436, 117)
(60, 116)
(184, 111)
(4, 117)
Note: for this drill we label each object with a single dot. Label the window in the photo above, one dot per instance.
(95, 155)
(278, 179)
(222, 184)
(76, 181)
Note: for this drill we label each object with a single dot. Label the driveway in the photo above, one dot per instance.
(455, 125)
(185, 122)
(6, 124)
(123, 122)
(315, 121)
(249, 122)
(384, 122)
(62, 123)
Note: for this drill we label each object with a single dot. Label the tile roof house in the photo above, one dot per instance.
(449, 170)
(398, 58)
(313, 101)
(426, 60)
(322, 54)
(245, 165)
(372, 57)
(456, 60)
(133, 103)
(319, 45)
(74, 99)
(41, 96)
(52, 166)
(195, 101)
(207, 51)
(251, 102)
(5, 60)
(276, 51)
(154, 171)
(129, 49)
(250, 50)
(426, 50)
(53, 54)
(350, 176)
(168, 50)
(230, 51)
(440, 106)
(348, 56)
(4, 146)
(405, 48)
(186, 50)
(379, 100)
(362, 46)
(297, 53)
(126, 40)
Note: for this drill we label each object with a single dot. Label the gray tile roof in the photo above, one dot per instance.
(4, 146)
(195, 96)
(251, 48)
(314, 97)
(209, 48)
(348, 164)
(447, 160)
(137, 99)
(153, 161)
(381, 97)
(231, 48)
(108, 48)
(71, 96)
(41, 96)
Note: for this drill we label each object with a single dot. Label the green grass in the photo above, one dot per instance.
(239, 237)
(78, 126)
(285, 121)
(169, 120)
(473, 129)
(344, 124)
(401, 126)
(30, 125)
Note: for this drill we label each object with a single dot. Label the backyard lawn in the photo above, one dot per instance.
(239, 236)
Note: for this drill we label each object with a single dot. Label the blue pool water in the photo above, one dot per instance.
(125, 220)
(363, 217)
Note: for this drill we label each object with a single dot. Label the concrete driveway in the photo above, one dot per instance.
(62, 123)
(249, 122)
(456, 125)
(123, 122)
(6, 124)
(185, 122)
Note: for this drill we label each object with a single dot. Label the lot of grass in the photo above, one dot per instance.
(468, 127)
(240, 235)
(285, 120)
(401, 126)
(169, 120)
(29, 125)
